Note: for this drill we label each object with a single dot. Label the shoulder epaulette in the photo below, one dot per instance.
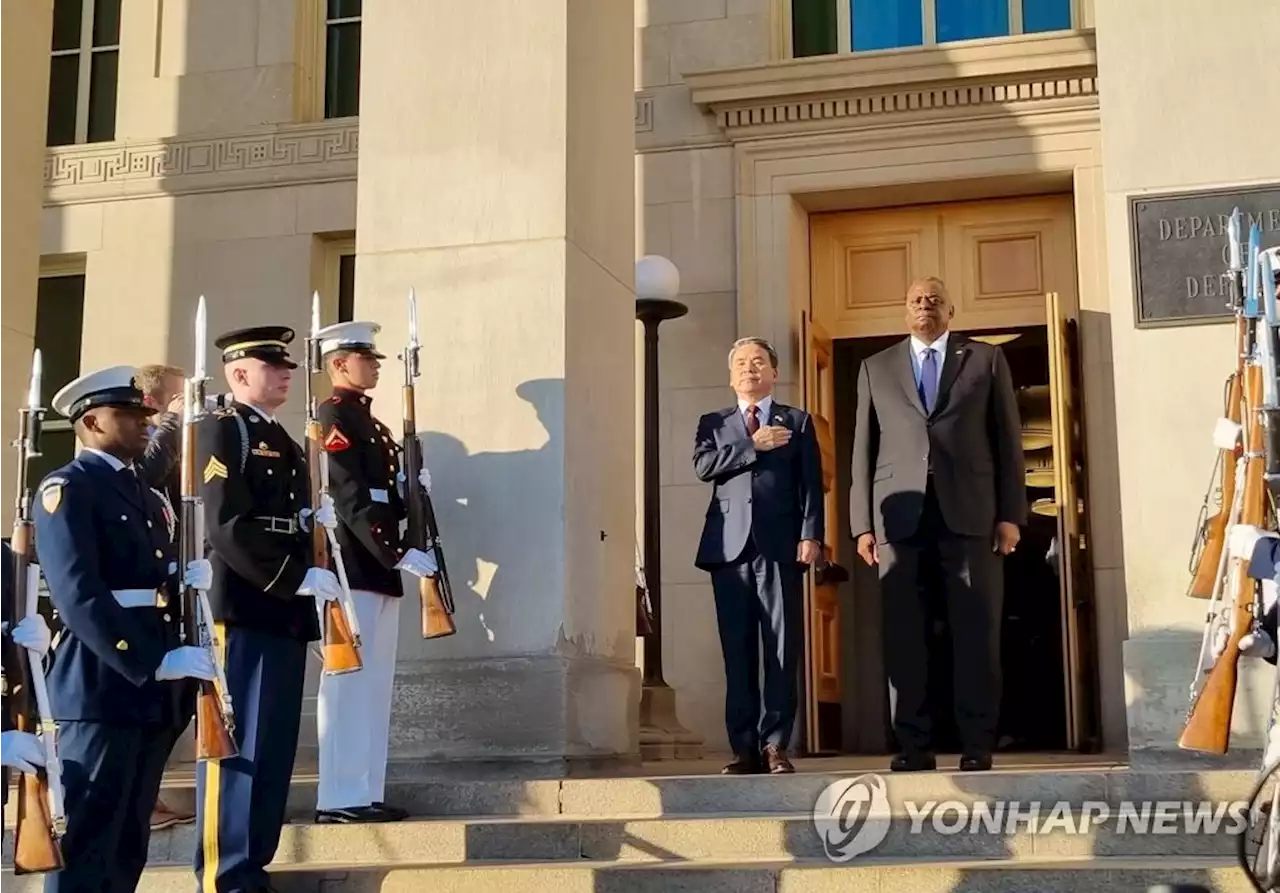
(225, 413)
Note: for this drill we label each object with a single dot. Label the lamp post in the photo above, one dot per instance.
(661, 735)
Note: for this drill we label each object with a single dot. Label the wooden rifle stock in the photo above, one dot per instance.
(433, 592)
(339, 645)
(35, 847)
(1203, 582)
(213, 734)
(1208, 727)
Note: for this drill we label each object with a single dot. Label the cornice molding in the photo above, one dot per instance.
(995, 77)
(287, 154)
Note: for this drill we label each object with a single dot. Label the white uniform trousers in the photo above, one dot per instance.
(354, 710)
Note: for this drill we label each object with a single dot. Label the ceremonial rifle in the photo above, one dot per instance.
(341, 645)
(1212, 531)
(215, 718)
(1208, 726)
(41, 819)
(435, 592)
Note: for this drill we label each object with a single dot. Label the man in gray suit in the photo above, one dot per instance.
(764, 525)
(939, 478)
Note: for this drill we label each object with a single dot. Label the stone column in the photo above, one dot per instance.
(497, 178)
(27, 35)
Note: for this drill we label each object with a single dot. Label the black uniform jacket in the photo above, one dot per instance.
(364, 462)
(258, 548)
(104, 548)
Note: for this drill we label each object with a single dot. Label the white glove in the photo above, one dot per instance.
(32, 633)
(1242, 538)
(1220, 637)
(419, 563)
(424, 479)
(186, 662)
(326, 514)
(21, 751)
(1257, 644)
(199, 574)
(321, 583)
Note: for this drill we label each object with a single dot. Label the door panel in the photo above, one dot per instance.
(1074, 575)
(998, 259)
(822, 609)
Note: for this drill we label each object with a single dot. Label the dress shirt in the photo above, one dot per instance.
(918, 348)
(111, 460)
(765, 404)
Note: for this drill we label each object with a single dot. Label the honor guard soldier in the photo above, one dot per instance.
(254, 484)
(105, 550)
(354, 709)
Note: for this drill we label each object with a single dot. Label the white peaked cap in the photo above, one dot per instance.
(106, 387)
(350, 336)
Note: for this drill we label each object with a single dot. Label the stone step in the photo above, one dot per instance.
(715, 838)
(1081, 875)
(676, 795)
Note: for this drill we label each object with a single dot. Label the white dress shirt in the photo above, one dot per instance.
(918, 348)
(762, 416)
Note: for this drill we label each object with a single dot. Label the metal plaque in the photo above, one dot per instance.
(1179, 242)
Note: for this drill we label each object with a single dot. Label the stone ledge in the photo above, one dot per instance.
(286, 154)
(1001, 76)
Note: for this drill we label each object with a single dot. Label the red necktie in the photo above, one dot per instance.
(753, 420)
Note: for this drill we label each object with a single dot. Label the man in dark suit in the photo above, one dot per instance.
(938, 478)
(763, 526)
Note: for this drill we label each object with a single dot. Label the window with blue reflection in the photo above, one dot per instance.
(1045, 15)
(883, 24)
(969, 19)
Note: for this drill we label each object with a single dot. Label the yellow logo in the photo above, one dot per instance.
(214, 469)
(51, 497)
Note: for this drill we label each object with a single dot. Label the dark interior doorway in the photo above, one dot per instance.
(1033, 711)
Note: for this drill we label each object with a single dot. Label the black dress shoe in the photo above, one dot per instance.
(776, 761)
(350, 815)
(913, 762)
(743, 764)
(394, 813)
(975, 762)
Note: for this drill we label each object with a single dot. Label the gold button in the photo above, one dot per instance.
(293, 473)
(168, 618)
(159, 554)
(124, 517)
(122, 645)
(162, 600)
(269, 471)
(291, 496)
(149, 524)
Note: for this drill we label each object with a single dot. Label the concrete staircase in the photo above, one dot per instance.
(732, 834)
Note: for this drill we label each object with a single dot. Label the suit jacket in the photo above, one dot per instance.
(100, 539)
(773, 497)
(972, 442)
(364, 466)
(259, 552)
(159, 465)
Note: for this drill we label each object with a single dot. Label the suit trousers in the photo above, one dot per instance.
(354, 710)
(240, 802)
(973, 581)
(759, 600)
(111, 776)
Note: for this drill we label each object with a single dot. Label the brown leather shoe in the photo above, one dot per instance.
(164, 816)
(775, 758)
(743, 764)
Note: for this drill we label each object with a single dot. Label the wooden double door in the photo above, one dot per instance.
(1009, 266)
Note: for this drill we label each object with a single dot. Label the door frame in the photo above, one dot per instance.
(1057, 316)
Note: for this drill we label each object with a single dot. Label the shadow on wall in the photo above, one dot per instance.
(478, 498)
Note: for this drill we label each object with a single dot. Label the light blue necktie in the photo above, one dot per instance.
(929, 379)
